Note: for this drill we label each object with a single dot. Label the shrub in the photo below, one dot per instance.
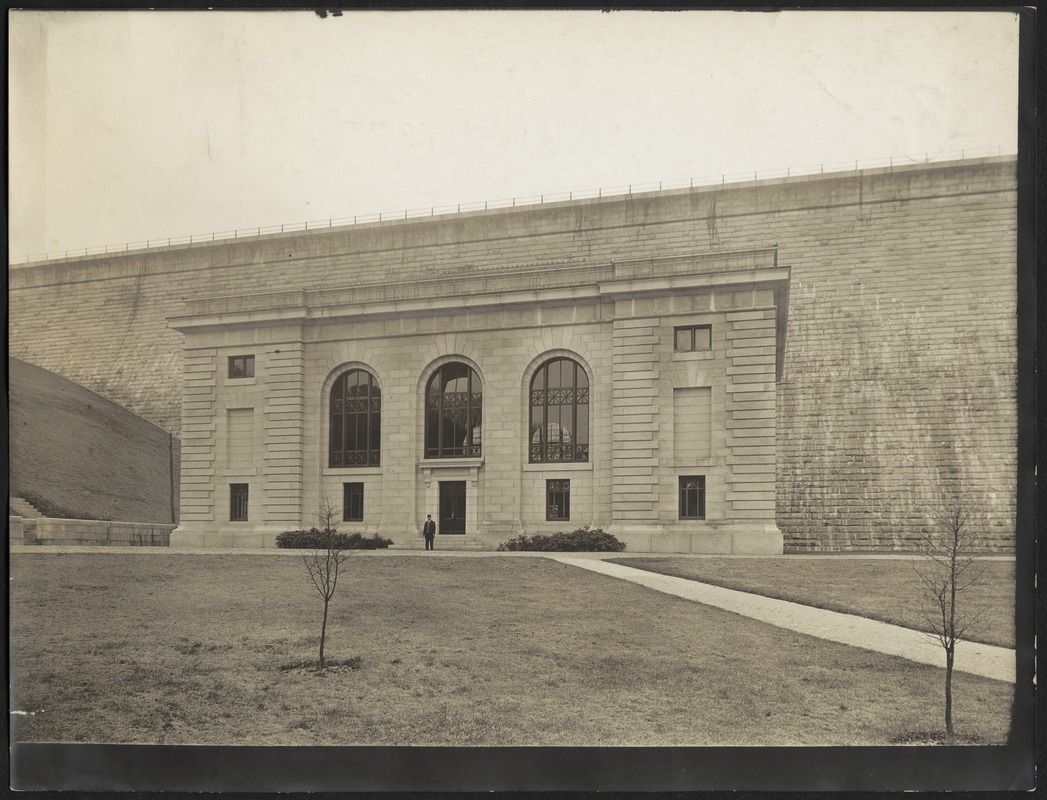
(582, 540)
(357, 541)
(316, 539)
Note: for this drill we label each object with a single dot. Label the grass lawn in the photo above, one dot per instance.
(880, 589)
(178, 649)
(118, 468)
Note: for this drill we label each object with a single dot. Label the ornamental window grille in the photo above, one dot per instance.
(558, 500)
(454, 413)
(692, 497)
(238, 502)
(559, 427)
(353, 502)
(356, 421)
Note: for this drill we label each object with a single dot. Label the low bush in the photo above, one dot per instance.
(582, 540)
(316, 539)
(357, 541)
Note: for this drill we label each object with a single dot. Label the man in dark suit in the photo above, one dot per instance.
(429, 532)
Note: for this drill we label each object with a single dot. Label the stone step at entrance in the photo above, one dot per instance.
(442, 542)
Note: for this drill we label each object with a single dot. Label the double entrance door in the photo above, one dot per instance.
(452, 507)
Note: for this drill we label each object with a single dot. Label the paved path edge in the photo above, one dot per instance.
(987, 661)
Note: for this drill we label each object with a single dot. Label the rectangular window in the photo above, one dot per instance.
(238, 502)
(557, 500)
(692, 497)
(353, 502)
(692, 338)
(241, 366)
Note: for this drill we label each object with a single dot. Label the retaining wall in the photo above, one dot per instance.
(899, 370)
(50, 531)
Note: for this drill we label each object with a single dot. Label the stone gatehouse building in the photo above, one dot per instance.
(636, 396)
(800, 362)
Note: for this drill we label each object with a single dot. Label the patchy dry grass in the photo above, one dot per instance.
(883, 589)
(182, 649)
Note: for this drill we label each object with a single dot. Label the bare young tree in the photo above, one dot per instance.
(324, 564)
(949, 568)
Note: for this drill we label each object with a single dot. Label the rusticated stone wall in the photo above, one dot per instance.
(899, 369)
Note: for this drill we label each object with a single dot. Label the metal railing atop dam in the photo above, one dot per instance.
(516, 202)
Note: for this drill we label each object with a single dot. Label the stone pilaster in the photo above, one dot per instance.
(283, 439)
(197, 482)
(634, 423)
(750, 420)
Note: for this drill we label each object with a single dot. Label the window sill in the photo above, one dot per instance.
(692, 355)
(435, 463)
(239, 381)
(352, 470)
(559, 466)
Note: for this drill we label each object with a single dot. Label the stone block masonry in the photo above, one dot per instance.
(96, 533)
(283, 437)
(198, 436)
(898, 372)
(750, 440)
(617, 339)
(634, 421)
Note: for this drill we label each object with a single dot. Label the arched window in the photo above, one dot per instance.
(356, 420)
(559, 429)
(453, 412)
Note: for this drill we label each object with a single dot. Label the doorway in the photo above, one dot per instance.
(452, 507)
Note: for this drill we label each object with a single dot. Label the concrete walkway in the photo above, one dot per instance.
(985, 660)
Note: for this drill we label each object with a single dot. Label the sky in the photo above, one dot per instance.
(134, 125)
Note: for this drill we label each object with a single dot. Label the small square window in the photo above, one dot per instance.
(241, 366)
(353, 505)
(557, 500)
(692, 338)
(692, 497)
(238, 502)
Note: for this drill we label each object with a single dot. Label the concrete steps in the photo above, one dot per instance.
(23, 508)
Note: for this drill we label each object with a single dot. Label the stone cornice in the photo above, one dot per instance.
(589, 283)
